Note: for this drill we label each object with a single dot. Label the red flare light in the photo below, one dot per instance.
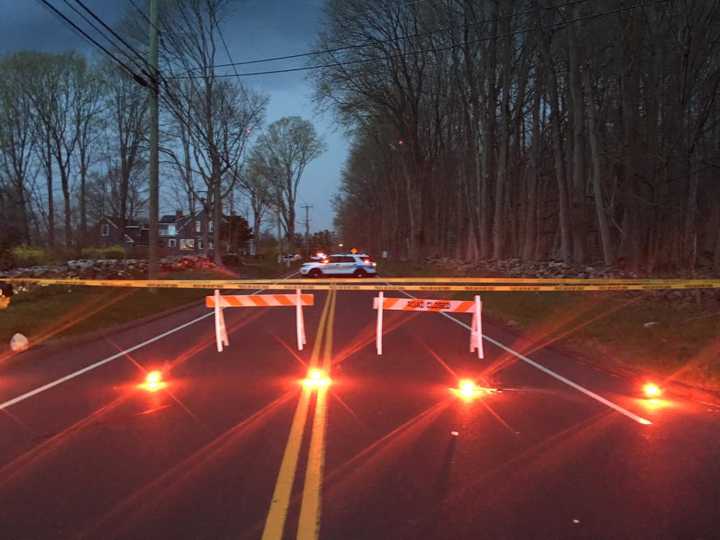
(316, 378)
(652, 390)
(468, 391)
(153, 382)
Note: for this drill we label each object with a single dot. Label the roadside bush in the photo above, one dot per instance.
(109, 252)
(30, 256)
(231, 259)
(90, 253)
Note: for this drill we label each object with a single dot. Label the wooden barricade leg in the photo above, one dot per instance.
(300, 321)
(378, 330)
(473, 332)
(220, 331)
(476, 339)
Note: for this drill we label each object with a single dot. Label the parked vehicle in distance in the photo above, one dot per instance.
(341, 264)
(289, 258)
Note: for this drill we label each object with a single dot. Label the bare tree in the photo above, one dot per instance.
(493, 127)
(281, 155)
(55, 94)
(16, 142)
(219, 115)
(42, 90)
(126, 110)
(87, 108)
(258, 192)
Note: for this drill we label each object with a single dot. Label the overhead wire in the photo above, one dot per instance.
(172, 101)
(112, 32)
(371, 43)
(84, 34)
(143, 65)
(424, 51)
(172, 104)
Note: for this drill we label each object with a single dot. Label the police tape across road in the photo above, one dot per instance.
(473, 285)
(494, 280)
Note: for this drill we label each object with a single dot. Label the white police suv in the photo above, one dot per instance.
(341, 265)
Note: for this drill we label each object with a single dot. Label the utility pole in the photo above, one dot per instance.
(279, 237)
(307, 208)
(154, 203)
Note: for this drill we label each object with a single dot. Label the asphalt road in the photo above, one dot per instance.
(236, 447)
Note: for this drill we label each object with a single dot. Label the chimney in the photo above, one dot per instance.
(178, 214)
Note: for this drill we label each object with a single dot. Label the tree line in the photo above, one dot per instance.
(81, 124)
(489, 129)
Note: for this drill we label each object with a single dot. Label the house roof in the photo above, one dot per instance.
(114, 220)
(181, 223)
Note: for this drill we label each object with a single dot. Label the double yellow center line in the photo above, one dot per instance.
(309, 522)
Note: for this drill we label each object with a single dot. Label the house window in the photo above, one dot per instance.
(187, 243)
(210, 244)
(198, 225)
(105, 229)
(172, 231)
(210, 226)
(200, 244)
(172, 243)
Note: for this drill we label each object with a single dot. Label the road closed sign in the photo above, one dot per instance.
(382, 304)
(407, 304)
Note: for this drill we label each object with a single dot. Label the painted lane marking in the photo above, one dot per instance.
(310, 508)
(557, 376)
(96, 365)
(109, 359)
(280, 503)
(572, 384)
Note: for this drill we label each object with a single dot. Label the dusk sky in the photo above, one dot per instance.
(255, 29)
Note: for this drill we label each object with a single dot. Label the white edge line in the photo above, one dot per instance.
(79, 372)
(590, 393)
(547, 371)
(109, 359)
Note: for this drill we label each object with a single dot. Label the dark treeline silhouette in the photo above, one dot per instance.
(581, 131)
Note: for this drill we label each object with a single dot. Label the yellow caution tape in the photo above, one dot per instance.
(490, 280)
(353, 285)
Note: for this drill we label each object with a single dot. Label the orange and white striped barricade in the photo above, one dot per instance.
(380, 303)
(220, 302)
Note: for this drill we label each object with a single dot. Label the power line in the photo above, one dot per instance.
(113, 32)
(144, 16)
(88, 21)
(173, 103)
(307, 208)
(423, 51)
(371, 43)
(142, 13)
(84, 34)
(227, 49)
(141, 66)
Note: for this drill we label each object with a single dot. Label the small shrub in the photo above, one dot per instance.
(30, 256)
(231, 259)
(90, 253)
(114, 252)
(109, 252)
